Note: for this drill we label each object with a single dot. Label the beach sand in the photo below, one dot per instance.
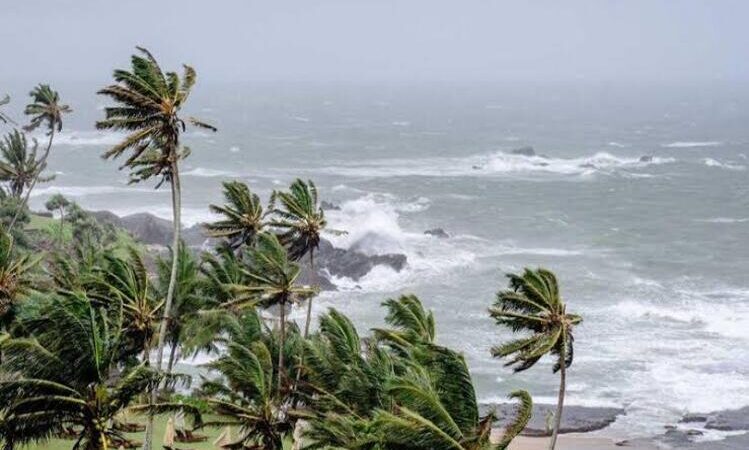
(573, 442)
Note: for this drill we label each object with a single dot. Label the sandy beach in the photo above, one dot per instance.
(573, 442)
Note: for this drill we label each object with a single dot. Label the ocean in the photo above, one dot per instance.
(651, 251)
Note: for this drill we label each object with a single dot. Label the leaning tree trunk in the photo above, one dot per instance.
(172, 356)
(562, 388)
(176, 213)
(281, 345)
(42, 165)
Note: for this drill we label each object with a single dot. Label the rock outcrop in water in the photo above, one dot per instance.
(576, 419)
(329, 260)
(438, 232)
(524, 151)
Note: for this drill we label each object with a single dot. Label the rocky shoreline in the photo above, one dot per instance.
(330, 262)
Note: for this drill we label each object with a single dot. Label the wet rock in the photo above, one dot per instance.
(646, 158)
(438, 232)
(476, 167)
(524, 151)
(693, 418)
(328, 206)
(576, 419)
(353, 264)
(729, 420)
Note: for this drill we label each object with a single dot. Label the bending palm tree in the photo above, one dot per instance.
(533, 303)
(272, 282)
(4, 117)
(243, 216)
(14, 277)
(19, 166)
(149, 105)
(65, 377)
(301, 220)
(45, 110)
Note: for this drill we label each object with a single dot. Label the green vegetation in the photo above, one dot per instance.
(81, 319)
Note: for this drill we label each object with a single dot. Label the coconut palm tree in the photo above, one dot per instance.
(534, 304)
(15, 277)
(19, 165)
(125, 280)
(272, 282)
(46, 111)
(247, 397)
(301, 221)
(188, 297)
(4, 117)
(149, 105)
(58, 202)
(65, 377)
(242, 216)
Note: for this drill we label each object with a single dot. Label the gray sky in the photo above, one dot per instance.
(374, 40)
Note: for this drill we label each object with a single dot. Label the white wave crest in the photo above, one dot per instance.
(83, 191)
(710, 162)
(692, 144)
(208, 173)
(87, 138)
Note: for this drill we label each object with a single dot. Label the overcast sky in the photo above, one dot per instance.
(374, 40)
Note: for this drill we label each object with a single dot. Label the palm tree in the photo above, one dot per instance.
(4, 117)
(65, 377)
(243, 216)
(301, 221)
(248, 396)
(272, 282)
(125, 280)
(19, 166)
(60, 203)
(45, 110)
(149, 104)
(15, 280)
(188, 298)
(534, 304)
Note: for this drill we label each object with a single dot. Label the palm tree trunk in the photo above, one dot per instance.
(560, 401)
(25, 202)
(281, 345)
(172, 356)
(313, 277)
(176, 213)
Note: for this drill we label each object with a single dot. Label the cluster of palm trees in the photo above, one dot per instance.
(84, 329)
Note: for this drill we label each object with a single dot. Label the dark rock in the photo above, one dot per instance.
(587, 166)
(329, 206)
(476, 167)
(438, 232)
(693, 418)
(148, 228)
(729, 420)
(524, 151)
(576, 419)
(646, 158)
(351, 263)
(694, 433)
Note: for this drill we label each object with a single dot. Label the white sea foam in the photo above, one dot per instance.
(87, 138)
(725, 220)
(83, 191)
(710, 162)
(208, 173)
(493, 164)
(692, 144)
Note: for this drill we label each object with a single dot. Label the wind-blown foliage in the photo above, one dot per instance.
(534, 304)
(15, 277)
(19, 165)
(65, 376)
(243, 217)
(148, 107)
(398, 391)
(45, 111)
(4, 117)
(248, 396)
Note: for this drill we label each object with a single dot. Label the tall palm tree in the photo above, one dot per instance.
(19, 166)
(534, 304)
(15, 279)
(188, 298)
(242, 216)
(125, 280)
(247, 397)
(47, 111)
(301, 220)
(65, 377)
(149, 104)
(272, 282)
